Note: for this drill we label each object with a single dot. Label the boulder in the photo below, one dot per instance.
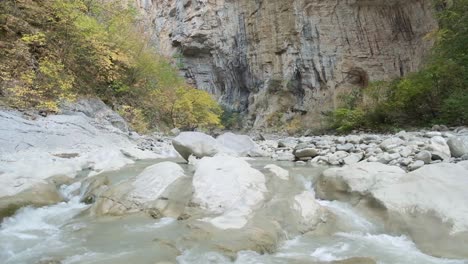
(337, 157)
(92, 187)
(386, 158)
(41, 194)
(239, 145)
(424, 156)
(432, 134)
(345, 147)
(149, 191)
(278, 171)
(353, 139)
(353, 158)
(305, 153)
(439, 148)
(458, 146)
(195, 143)
(371, 138)
(310, 211)
(391, 143)
(33, 150)
(355, 181)
(287, 143)
(285, 156)
(430, 204)
(228, 187)
(175, 131)
(416, 165)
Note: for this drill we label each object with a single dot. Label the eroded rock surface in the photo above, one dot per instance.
(82, 140)
(149, 192)
(429, 203)
(294, 56)
(229, 187)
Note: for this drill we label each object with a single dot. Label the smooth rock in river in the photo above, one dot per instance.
(145, 192)
(33, 150)
(278, 171)
(39, 195)
(431, 205)
(458, 146)
(229, 187)
(354, 181)
(195, 143)
(310, 211)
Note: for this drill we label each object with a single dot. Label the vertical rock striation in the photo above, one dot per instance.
(280, 60)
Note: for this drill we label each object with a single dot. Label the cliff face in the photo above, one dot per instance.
(280, 60)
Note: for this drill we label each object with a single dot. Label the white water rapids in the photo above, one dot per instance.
(63, 233)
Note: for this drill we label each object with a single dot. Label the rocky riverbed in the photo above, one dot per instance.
(79, 187)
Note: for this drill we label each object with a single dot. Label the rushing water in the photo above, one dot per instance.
(64, 233)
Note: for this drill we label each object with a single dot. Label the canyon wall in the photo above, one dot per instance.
(283, 61)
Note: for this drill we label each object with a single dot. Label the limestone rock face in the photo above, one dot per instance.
(293, 56)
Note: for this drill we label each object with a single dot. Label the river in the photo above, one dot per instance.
(65, 233)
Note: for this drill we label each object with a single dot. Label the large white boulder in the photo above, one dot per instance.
(431, 204)
(37, 148)
(310, 211)
(195, 143)
(238, 145)
(356, 180)
(154, 180)
(228, 187)
(458, 146)
(140, 193)
(278, 171)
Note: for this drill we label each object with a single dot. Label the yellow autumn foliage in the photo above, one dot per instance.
(60, 49)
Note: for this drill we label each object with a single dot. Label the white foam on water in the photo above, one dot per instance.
(329, 253)
(67, 191)
(347, 213)
(32, 230)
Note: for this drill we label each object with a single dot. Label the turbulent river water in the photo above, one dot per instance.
(64, 233)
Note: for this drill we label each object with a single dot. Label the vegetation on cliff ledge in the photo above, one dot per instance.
(54, 50)
(438, 93)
